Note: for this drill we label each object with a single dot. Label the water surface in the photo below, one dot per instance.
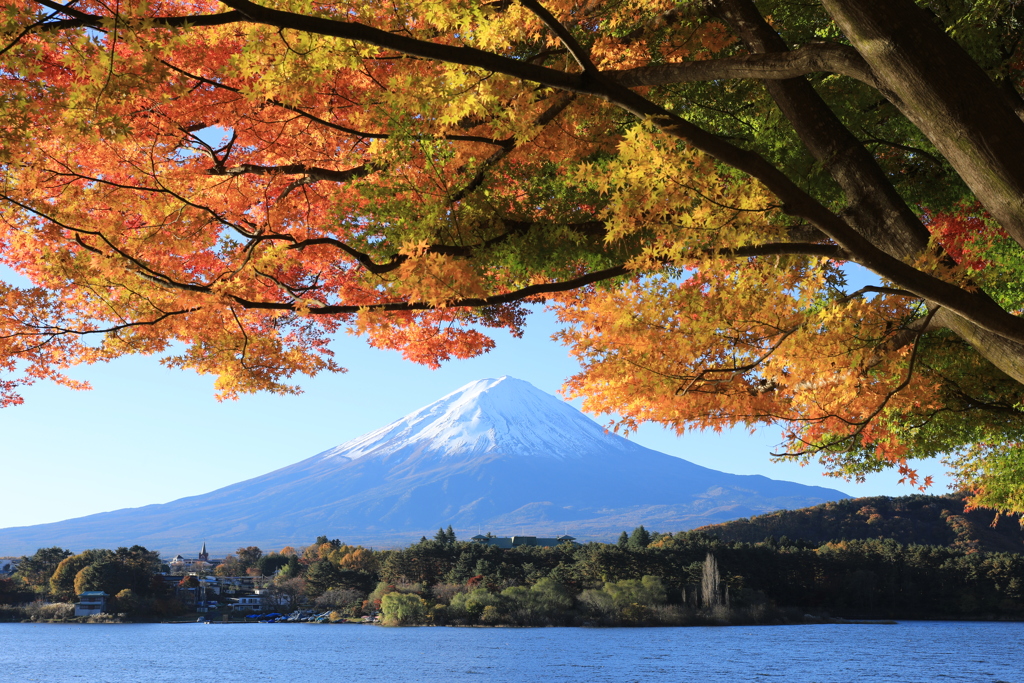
(918, 652)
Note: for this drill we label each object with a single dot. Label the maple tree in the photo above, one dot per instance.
(229, 184)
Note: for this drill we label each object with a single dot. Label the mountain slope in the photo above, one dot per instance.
(495, 455)
(917, 519)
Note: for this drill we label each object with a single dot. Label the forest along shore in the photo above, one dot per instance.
(644, 579)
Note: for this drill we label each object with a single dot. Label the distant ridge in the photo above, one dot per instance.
(917, 519)
(496, 454)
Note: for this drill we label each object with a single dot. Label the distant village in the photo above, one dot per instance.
(246, 585)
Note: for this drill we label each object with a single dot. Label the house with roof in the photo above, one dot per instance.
(90, 602)
(252, 603)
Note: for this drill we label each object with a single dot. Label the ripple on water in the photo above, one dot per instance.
(911, 652)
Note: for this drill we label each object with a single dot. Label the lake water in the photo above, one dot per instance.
(925, 652)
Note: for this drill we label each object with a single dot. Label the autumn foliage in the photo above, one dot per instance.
(228, 185)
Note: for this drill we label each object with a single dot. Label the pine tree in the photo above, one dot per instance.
(639, 539)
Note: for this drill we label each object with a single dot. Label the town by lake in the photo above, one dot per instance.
(905, 652)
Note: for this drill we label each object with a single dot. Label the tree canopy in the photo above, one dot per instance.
(229, 184)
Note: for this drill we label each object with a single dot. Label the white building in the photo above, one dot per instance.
(252, 603)
(90, 602)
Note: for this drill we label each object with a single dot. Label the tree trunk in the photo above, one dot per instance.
(944, 92)
(709, 583)
(875, 209)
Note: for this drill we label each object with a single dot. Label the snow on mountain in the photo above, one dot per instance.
(504, 415)
(496, 455)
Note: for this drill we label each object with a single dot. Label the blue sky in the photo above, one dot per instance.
(146, 434)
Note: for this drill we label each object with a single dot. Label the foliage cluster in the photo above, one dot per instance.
(252, 562)
(50, 579)
(230, 184)
(918, 519)
(670, 581)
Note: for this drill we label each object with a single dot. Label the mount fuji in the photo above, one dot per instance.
(496, 455)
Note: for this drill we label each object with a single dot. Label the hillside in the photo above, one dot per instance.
(918, 519)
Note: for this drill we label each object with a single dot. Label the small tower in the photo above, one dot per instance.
(203, 555)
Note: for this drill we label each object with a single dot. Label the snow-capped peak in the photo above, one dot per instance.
(504, 415)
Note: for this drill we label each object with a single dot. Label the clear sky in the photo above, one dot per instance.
(146, 434)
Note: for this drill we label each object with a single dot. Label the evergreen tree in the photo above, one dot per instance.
(639, 539)
(321, 576)
(37, 569)
(623, 540)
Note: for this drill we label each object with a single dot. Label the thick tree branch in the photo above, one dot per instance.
(451, 54)
(81, 19)
(513, 228)
(797, 202)
(876, 209)
(64, 9)
(813, 58)
(947, 95)
(829, 251)
(472, 302)
(313, 173)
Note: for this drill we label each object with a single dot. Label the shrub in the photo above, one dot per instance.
(402, 609)
(50, 611)
(547, 602)
(467, 607)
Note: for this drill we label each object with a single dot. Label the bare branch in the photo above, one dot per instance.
(549, 115)
(369, 135)
(860, 425)
(731, 372)
(54, 330)
(571, 44)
